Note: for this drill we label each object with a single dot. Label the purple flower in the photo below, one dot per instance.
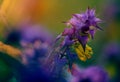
(35, 43)
(82, 26)
(71, 43)
(90, 74)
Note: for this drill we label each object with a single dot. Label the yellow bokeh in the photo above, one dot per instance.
(17, 10)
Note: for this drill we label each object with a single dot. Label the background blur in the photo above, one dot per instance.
(51, 14)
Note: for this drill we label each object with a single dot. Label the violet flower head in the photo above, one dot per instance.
(82, 27)
(90, 74)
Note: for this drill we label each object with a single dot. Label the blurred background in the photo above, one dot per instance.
(51, 14)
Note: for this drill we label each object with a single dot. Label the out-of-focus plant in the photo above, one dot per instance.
(90, 74)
